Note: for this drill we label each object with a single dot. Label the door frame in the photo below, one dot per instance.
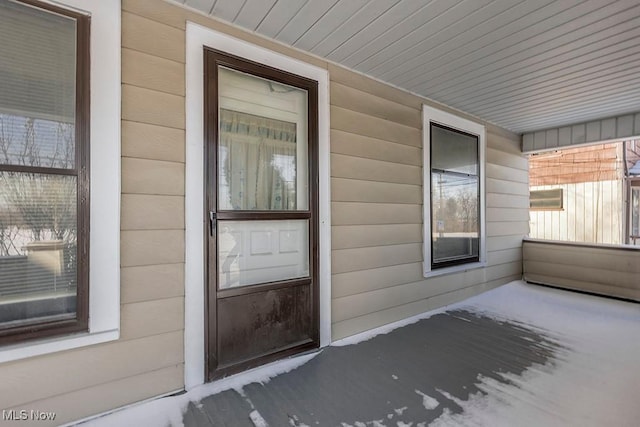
(197, 38)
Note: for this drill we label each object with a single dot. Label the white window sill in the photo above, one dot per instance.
(455, 269)
(46, 346)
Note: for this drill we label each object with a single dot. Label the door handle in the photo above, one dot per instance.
(212, 222)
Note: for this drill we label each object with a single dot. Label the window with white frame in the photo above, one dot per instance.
(454, 193)
(58, 279)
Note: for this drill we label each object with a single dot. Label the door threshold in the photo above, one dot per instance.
(259, 374)
(247, 365)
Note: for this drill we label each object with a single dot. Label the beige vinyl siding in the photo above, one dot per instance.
(152, 142)
(376, 192)
(359, 213)
(607, 270)
(152, 218)
(376, 206)
(104, 397)
(67, 382)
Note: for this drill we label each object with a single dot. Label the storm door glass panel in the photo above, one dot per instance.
(455, 198)
(252, 252)
(262, 151)
(38, 167)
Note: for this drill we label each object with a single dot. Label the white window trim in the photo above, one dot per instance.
(197, 38)
(104, 234)
(434, 115)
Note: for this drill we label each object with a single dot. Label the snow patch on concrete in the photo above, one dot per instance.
(257, 419)
(400, 411)
(428, 402)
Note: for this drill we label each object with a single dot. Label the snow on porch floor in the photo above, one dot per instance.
(518, 355)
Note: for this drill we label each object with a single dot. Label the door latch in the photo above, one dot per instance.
(212, 222)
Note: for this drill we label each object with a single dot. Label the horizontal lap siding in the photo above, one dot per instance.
(104, 397)
(152, 205)
(68, 382)
(152, 219)
(605, 270)
(377, 220)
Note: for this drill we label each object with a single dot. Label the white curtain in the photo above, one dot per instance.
(257, 162)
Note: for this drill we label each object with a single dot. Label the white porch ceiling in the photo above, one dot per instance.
(524, 65)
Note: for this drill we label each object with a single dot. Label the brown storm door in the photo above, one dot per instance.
(261, 213)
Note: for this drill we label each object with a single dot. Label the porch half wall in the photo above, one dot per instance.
(376, 200)
(599, 269)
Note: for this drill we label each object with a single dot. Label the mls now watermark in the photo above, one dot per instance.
(27, 415)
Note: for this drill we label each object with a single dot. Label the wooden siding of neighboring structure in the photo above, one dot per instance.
(592, 212)
(602, 162)
(376, 157)
(592, 179)
(603, 270)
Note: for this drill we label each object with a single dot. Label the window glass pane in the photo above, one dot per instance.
(262, 144)
(37, 87)
(251, 252)
(545, 199)
(453, 151)
(635, 212)
(454, 196)
(38, 249)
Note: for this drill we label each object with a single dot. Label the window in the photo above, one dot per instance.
(635, 214)
(546, 200)
(58, 146)
(454, 193)
(43, 171)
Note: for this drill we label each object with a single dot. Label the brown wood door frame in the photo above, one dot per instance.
(212, 60)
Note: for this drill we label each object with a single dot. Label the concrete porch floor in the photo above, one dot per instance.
(517, 355)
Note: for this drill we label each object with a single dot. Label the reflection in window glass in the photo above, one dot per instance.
(635, 212)
(29, 141)
(38, 248)
(258, 162)
(455, 201)
(262, 146)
